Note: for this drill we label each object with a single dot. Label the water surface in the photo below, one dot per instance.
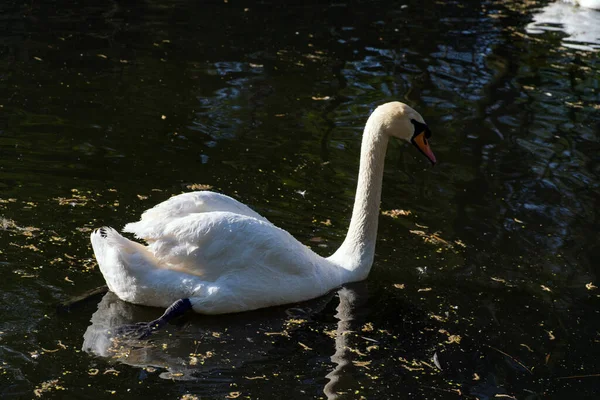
(486, 289)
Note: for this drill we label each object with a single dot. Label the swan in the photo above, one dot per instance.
(210, 253)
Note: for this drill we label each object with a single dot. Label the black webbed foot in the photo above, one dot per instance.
(142, 330)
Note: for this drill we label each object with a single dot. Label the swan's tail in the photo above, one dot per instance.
(122, 262)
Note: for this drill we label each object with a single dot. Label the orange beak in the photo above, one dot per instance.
(421, 142)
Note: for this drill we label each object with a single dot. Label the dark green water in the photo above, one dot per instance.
(486, 290)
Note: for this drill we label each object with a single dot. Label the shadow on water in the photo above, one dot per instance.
(485, 283)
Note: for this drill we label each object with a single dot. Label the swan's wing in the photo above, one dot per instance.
(214, 244)
(153, 222)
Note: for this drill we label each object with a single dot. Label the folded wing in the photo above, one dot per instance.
(153, 222)
(215, 244)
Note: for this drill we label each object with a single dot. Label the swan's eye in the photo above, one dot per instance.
(420, 128)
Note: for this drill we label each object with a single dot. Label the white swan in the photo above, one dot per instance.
(209, 252)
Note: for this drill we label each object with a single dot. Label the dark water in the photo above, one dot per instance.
(486, 290)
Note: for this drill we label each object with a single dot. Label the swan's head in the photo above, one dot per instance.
(401, 121)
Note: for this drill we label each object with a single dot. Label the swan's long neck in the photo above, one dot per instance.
(358, 250)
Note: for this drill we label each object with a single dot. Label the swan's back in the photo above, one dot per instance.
(219, 244)
(213, 236)
(154, 220)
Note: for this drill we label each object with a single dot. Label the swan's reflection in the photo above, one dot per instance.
(350, 313)
(177, 358)
(207, 346)
(219, 343)
(582, 25)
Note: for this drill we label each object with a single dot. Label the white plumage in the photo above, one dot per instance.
(224, 257)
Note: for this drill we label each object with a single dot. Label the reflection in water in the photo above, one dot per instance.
(212, 344)
(582, 25)
(350, 314)
(98, 340)
(226, 343)
(209, 348)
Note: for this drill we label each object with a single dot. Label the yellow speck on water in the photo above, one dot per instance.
(188, 396)
(198, 186)
(437, 317)
(163, 117)
(364, 364)
(111, 371)
(396, 213)
(527, 347)
(453, 339)
(305, 347)
(251, 378)
(368, 327)
(47, 386)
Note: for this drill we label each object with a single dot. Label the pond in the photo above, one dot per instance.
(485, 281)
